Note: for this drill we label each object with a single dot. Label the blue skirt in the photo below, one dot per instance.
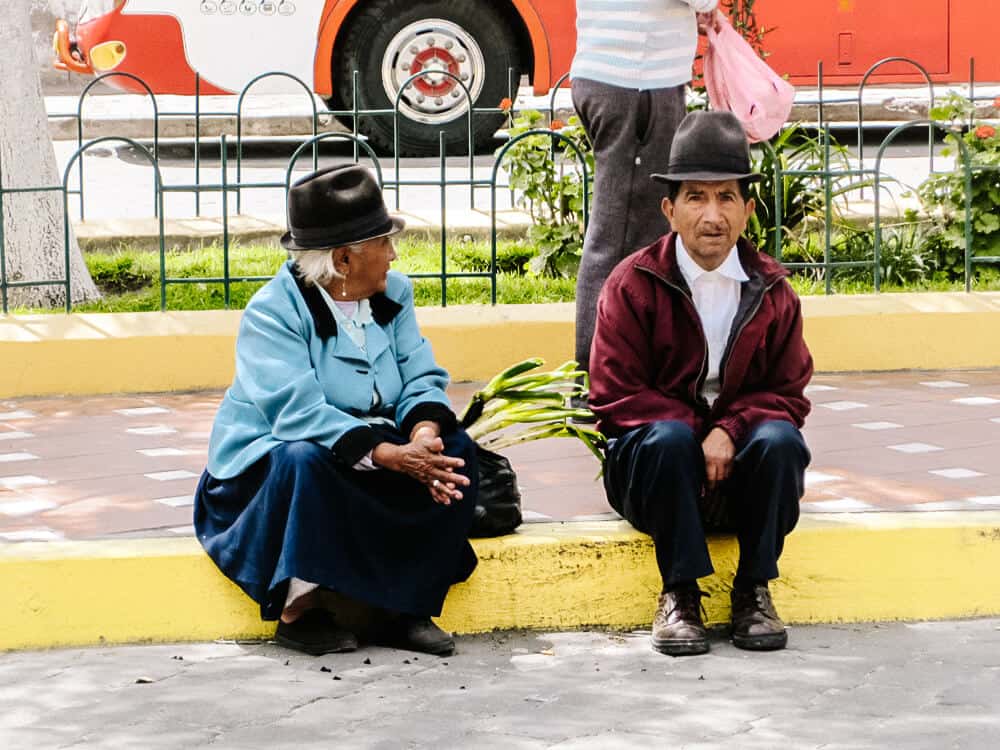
(376, 537)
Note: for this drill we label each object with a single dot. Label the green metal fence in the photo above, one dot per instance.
(231, 192)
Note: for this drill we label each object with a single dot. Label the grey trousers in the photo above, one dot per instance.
(631, 132)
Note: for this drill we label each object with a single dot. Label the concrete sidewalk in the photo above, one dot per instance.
(126, 466)
(923, 686)
(272, 114)
(143, 234)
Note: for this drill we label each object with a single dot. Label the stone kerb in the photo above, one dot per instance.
(865, 567)
(176, 351)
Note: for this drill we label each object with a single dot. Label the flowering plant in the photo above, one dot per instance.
(943, 195)
(546, 175)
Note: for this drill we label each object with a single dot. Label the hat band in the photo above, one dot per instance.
(722, 166)
(344, 233)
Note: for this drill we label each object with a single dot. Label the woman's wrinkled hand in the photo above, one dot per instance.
(423, 459)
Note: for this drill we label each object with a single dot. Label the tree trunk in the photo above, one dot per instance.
(33, 223)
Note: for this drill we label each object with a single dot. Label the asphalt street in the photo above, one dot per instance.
(923, 685)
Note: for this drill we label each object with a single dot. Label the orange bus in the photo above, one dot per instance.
(471, 45)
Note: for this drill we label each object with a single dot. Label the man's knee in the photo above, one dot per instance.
(668, 447)
(669, 435)
(779, 440)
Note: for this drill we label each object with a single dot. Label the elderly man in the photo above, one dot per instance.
(697, 377)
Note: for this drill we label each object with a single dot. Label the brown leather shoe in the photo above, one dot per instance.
(316, 633)
(677, 626)
(756, 625)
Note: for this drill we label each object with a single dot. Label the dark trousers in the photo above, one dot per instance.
(631, 132)
(654, 476)
(376, 537)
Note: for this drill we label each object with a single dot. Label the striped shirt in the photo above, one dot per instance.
(637, 44)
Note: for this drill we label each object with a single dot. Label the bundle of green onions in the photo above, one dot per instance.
(520, 405)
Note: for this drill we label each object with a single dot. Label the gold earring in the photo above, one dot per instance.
(343, 289)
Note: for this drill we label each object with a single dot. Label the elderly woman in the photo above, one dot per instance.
(335, 461)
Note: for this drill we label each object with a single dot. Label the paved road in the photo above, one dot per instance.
(932, 686)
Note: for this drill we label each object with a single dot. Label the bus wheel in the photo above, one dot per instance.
(390, 41)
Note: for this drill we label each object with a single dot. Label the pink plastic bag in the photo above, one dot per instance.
(740, 82)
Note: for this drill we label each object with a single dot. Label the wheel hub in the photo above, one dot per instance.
(435, 61)
(444, 57)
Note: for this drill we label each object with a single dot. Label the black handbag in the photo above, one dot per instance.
(498, 505)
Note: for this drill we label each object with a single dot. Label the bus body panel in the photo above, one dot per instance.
(850, 36)
(166, 44)
(558, 19)
(230, 50)
(151, 40)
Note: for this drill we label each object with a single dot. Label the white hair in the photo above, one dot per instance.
(315, 267)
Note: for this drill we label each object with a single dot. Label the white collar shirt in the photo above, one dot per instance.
(716, 296)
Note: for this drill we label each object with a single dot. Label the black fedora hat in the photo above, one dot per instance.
(709, 147)
(337, 206)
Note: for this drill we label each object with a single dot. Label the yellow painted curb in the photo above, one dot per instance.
(934, 331)
(176, 351)
(857, 567)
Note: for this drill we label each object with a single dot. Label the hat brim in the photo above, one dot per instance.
(398, 224)
(706, 176)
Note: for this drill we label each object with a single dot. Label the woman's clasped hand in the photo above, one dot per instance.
(423, 459)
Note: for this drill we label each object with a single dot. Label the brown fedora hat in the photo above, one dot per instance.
(709, 147)
(337, 206)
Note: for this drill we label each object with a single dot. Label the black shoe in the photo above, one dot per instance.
(756, 625)
(677, 626)
(412, 633)
(316, 633)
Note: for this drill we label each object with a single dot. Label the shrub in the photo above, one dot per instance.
(802, 161)
(944, 195)
(117, 274)
(511, 258)
(907, 253)
(546, 175)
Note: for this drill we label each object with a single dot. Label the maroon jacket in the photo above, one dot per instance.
(649, 357)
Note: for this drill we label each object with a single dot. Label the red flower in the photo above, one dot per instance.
(506, 104)
(985, 131)
(557, 125)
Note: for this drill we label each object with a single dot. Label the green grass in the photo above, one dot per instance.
(987, 280)
(130, 279)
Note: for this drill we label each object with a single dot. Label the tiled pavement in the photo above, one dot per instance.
(126, 466)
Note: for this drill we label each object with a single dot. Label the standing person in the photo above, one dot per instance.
(633, 61)
(698, 375)
(335, 461)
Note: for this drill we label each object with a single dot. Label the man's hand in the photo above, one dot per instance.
(719, 451)
(423, 459)
(708, 21)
